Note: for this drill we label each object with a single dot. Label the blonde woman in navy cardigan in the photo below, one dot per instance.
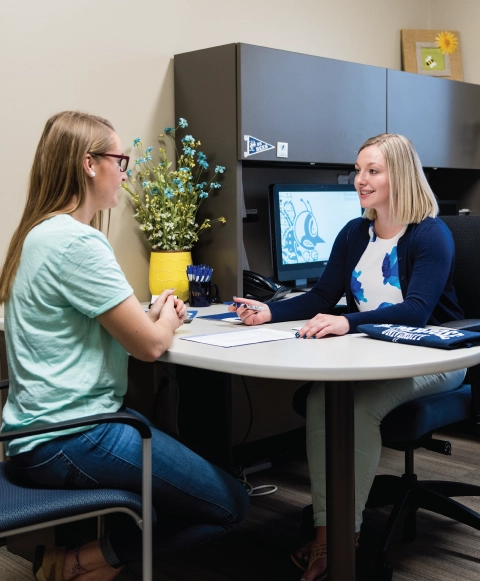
(395, 265)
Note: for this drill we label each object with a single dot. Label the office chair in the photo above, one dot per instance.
(411, 425)
(24, 509)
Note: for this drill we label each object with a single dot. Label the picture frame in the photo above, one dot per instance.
(421, 55)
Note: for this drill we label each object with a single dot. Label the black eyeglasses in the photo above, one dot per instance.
(124, 159)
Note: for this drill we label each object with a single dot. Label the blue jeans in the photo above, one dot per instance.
(195, 500)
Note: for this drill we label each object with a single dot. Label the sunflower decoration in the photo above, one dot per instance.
(446, 42)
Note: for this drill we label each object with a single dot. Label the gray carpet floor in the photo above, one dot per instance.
(258, 550)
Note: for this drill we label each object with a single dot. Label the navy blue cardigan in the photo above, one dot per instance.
(426, 258)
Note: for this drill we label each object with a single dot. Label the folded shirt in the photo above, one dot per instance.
(441, 337)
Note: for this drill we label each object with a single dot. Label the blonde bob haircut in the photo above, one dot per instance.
(58, 180)
(411, 198)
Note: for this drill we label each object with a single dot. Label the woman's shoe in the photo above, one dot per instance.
(302, 563)
(48, 563)
(317, 551)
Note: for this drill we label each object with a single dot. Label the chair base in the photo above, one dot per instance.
(407, 494)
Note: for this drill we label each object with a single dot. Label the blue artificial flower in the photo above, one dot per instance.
(188, 139)
(215, 185)
(203, 163)
(149, 149)
(201, 156)
(139, 161)
(169, 192)
(155, 190)
(177, 181)
(169, 130)
(219, 169)
(188, 150)
(144, 184)
(183, 123)
(129, 172)
(203, 195)
(187, 169)
(137, 141)
(200, 186)
(148, 158)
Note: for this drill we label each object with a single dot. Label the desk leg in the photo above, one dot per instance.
(339, 436)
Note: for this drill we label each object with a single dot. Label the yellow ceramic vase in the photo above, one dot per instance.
(168, 269)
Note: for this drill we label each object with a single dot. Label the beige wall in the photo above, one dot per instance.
(114, 58)
(464, 16)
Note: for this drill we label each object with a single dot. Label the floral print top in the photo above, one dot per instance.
(375, 283)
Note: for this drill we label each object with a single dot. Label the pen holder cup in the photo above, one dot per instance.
(200, 293)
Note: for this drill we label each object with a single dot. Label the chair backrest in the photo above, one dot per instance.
(466, 235)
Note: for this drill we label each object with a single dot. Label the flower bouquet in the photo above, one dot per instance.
(167, 200)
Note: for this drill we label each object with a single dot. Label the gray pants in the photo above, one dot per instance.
(373, 401)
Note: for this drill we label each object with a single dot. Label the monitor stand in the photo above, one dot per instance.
(302, 284)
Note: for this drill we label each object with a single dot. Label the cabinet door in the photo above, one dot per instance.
(441, 117)
(323, 109)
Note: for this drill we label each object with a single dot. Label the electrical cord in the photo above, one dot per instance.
(251, 410)
(252, 490)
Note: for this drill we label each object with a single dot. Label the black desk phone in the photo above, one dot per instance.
(262, 289)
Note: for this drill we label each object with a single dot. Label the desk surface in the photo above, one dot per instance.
(346, 358)
(332, 359)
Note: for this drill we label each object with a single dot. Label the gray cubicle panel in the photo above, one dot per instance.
(323, 108)
(441, 117)
(206, 95)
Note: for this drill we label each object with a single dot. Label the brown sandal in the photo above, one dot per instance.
(318, 551)
(48, 563)
(300, 563)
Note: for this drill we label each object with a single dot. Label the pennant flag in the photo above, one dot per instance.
(255, 145)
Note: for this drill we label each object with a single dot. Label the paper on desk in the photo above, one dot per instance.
(238, 338)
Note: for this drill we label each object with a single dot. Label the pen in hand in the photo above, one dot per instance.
(250, 307)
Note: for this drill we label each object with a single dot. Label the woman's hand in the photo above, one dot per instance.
(322, 325)
(169, 313)
(157, 306)
(248, 316)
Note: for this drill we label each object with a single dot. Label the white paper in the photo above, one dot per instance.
(237, 338)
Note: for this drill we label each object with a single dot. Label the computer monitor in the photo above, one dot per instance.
(304, 222)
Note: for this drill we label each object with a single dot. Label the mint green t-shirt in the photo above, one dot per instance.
(62, 363)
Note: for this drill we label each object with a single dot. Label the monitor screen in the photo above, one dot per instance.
(304, 222)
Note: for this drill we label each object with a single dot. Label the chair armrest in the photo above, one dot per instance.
(4, 383)
(119, 418)
(463, 324)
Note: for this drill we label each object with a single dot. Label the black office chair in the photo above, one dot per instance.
(411, 425)
(24, 508)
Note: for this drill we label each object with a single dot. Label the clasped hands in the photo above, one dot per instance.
(174, 307)
(316, 328)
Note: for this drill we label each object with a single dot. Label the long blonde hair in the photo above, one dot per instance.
(411, 197)
(57, 178)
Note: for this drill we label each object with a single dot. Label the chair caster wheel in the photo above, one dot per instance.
(383, 572)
